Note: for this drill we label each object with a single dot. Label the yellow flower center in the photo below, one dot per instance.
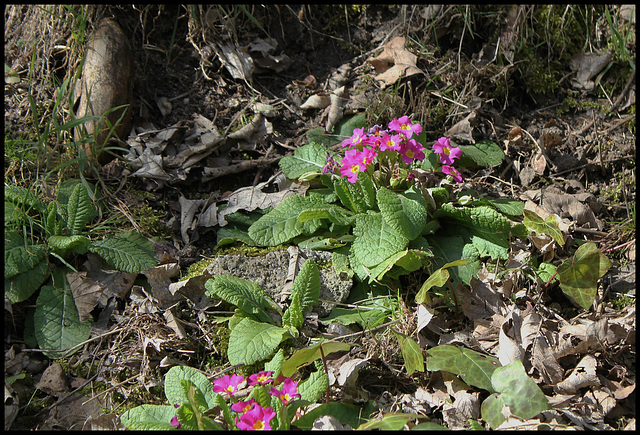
(258, 425)
(405, 127)
(446, 150)
(409, 154)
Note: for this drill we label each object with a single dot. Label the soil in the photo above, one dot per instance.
(588, 149)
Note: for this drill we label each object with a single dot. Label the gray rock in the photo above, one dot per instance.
(271, 271)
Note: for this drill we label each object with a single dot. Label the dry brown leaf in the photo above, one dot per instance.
(174, 324)
(462, 131)
(237, 62)
(338, 99)
(159, 278)
(395, 62)
(86, 293)
(316, 101)
(583, 375)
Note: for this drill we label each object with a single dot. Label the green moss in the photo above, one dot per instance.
(622, 301)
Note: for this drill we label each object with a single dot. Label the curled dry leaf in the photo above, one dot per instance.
(583, 375)
(395, 62)
(336, 109)
(86, 293)
(316, 101)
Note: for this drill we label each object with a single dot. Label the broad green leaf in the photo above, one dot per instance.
(513, 388)
(20, 287)
(19, 255)
(407, 260)
(473, 367)
(63, 245)
(411, 353)
(261, 396)
(447, 249)
(57, 323)
(80, 210)
(365, 318)
(275, 365)
(175, 391)
(246, 295)
(149, 417)
(314, 387)
(375, 240)
(346, 127)
(405, 213)
(547, 226)
(308, 355)
(487, 229)
(307, 285)
(507, 206)
(308, 158)
(321, 243)
(252, 341)
(358, 197)
(484, 154)
(389, 421)
(128, 252)
(346, 413)
(547, 270)
(293, 317)
(579, 276)
(229, 235)
(281, 224)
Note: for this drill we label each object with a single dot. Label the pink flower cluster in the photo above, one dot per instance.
(364, 147)
(252, 416)
(447, 155)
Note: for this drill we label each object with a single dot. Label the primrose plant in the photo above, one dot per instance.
(263, 401)
(386, 205)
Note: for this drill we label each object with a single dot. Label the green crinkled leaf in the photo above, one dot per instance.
(483, 153)
(358, 197)
(307, 285)
(128, 252)
(473, 367)
(57, 323)
(483, 226)
(375, 240)
(24, 197)
(346, 413)
(308, 158)
(308, 355)
(246, 295)
(20, 256)
(63, 245)
(293, 317)
(229, 235)
(261, 396)
(252, 341)
(513, 388)
(281, 224)
(405, 213)
(547, 226)
(53, 225)
(407, 260)
(20, 287)
(579, 276)
(346, 127)
(334, 213)
(80, 210)
(149, 417)
(314, 387)
(411, 353)
(175, 391)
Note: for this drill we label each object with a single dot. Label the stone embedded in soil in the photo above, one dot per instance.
(270, 272)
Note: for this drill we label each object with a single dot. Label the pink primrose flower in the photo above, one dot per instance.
(174, 420)
(450, 170)
(411, 151)
(356, 138)
(257, 418)
(390, 142)
(352, 163)
(243, 407)
(227, 384)
(288, 393)
(447, 153)
(403, 125)
(262, 378)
